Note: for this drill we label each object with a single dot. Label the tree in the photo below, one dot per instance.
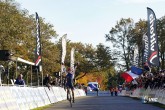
(119, 36)
(103, 59)
(136, 36)
(161, 39)
(18, 34)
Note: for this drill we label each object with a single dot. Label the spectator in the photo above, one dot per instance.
(46, 81)
(150, 80)
(120, 88)
(116, 90)
(54, 82)
(20, 80)
(85, 89)
(111, 90)
(146, 67)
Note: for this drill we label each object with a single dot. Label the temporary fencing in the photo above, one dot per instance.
(57, 94)
(159, 94)
(63, 93)
(6, 96)
(95, 93)
(18, 95)
(26, 98)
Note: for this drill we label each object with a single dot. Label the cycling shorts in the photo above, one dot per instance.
(70, 86)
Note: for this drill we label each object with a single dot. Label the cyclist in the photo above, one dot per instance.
(69, 82)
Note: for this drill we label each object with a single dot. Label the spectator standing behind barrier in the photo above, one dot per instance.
(85, 89)
(20, 80)
(54, 82)
(46, 81)
(111, 90)
(116, 91)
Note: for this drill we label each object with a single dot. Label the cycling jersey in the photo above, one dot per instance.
(69, 79)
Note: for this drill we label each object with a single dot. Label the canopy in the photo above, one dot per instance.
(17, 59)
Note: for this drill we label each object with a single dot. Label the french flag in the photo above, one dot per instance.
(136, 70)
(129, 76)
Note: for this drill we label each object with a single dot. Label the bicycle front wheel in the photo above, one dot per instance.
(70, 98)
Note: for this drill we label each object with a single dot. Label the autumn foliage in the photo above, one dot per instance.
(93, 77)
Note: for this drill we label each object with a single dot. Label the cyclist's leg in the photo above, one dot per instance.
(73, 94)
(72, 89)
(67, 88)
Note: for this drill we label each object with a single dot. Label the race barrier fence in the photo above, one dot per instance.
(100, 93)
(26, 98)
(158, 94)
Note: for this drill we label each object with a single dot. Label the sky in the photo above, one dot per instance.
(88, 21)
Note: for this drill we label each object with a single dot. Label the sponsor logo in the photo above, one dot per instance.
(146, 48)
(153, 56)
(147, 99)
(152, 38)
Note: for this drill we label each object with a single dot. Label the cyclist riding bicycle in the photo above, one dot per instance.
(69, 82)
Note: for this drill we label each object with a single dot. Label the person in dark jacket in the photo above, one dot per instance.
(20, 80)
(46, 81)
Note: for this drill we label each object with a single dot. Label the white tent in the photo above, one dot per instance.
(17, 59)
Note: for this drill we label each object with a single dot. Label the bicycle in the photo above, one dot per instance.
(69, 96)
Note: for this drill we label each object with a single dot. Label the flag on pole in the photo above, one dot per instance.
(63, 42)
(136, 70)
(129, 76)
(153, 59)
(38, 44)
(63, 48)
(72, 61)
(136, 56)
(145, 44)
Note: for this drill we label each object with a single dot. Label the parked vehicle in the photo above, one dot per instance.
(93, 86)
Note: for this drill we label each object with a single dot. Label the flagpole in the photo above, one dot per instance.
(63, 54)
(153, 39)
(38, 55)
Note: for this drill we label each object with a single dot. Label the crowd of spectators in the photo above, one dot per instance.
(53, 81)
(148, 79)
